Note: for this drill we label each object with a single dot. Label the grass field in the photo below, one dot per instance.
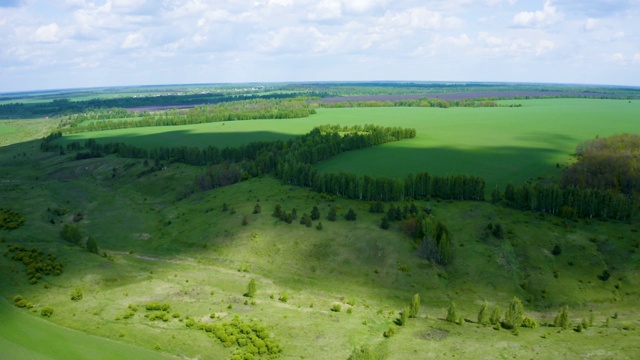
(498, 144)
(23, 336)
(167, 244)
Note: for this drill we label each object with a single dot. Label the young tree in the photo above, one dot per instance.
(315, 213)
(251, 289)
(414, 309)
(496, 314)
(92, 246)
(333, 214)
(257, 209)
(319, 226)
(514, 315)
(483, 315)
(351, 215)
(277, 211)
(385, 223)
(562, 318)
(452, 313)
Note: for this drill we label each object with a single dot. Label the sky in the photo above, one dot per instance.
(55, 44)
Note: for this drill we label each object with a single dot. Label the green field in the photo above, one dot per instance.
(26, 337)
(498, 144)
(198, 250)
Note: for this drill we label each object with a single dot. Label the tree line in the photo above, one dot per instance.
(569, 202)
(231, 111)
(422, 102)
(63, 107)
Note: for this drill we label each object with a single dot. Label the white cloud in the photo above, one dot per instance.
(47, 33)
(420, 18)
(636, 58)
(590, 24)
(541, 18)
(325, 10)
(133, 41)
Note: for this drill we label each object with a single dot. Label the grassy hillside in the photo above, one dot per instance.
(166, 246)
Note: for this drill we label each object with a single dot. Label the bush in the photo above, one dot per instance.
(452, 313)
(557, 250)
(390, 331)
(284, 298)
(76, 294)
(336, 308)
(496, 314)
(530, 323)
(46, 311)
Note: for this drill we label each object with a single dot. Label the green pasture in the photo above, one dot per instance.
(24, 336)
(500, 144)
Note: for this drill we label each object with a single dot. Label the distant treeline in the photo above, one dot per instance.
(423, 102)
(65, 107)
(228, 111)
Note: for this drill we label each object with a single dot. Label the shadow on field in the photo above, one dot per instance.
(172, 138)
(497, 165)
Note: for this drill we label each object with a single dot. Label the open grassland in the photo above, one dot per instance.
(188, 252)
(498, 144)
(26, 337)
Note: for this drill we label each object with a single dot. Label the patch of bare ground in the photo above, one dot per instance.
(432, 334)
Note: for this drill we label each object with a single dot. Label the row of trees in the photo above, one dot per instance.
(421, 102)
(569, 202)
(238, 110)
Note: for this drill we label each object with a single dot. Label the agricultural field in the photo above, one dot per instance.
(109, 256)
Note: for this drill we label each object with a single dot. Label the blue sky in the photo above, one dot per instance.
(48, 44)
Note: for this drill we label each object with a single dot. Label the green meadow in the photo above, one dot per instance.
(499, 144)
(321, 293)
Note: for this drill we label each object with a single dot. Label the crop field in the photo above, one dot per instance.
(500, 144)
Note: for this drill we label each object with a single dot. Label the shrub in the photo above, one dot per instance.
(319, 226)
(452, 313)
(529, 322)
(257, 209)
(284, 297)
(404, 317)
(46, 311)
(76, 294)
(557, 250)
(390, 331)
(336, 308)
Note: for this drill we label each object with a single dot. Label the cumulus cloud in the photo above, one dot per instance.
(47, 33)
(133, 41)
(540, 18)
